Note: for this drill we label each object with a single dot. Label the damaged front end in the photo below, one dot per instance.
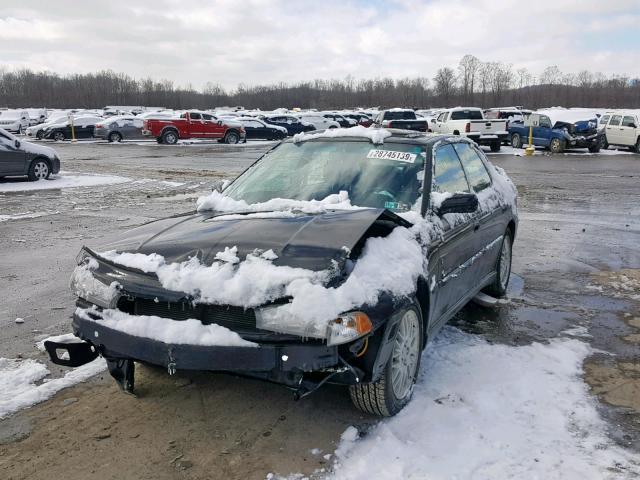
(346, 351)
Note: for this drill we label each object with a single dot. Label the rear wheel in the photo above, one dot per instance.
(39, 170)
(556, 145)
(170, 137)
(58, 136)
(115, 137)
(516, 140)
(39, 135)
(495, 146)
(503, 268)
(231, 138)
(393, 390)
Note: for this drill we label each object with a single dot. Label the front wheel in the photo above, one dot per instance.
(389, 394)
(636, 147)
(516, 140)
(39, 170)
(39, 135)
(503, 268)
(603, 143)
(115, 137)
(58, 136)
(594, 148)
(495, 146)
(556, 145)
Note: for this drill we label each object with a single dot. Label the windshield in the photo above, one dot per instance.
(378, 176)
(466, 115)
(399, 115)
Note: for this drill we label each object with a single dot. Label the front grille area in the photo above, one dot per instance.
(234, 318)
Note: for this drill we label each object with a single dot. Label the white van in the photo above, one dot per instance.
(621, 128)
(15, 121)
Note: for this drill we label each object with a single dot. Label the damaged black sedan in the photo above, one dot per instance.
(333, 259)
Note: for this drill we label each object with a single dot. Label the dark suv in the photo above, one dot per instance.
(340, 271)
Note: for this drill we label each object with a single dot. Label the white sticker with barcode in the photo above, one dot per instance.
(392, 155)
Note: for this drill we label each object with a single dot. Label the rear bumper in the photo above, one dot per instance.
(284, 358)
(488, 138)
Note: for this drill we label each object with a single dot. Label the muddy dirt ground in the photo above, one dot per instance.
(576, 265)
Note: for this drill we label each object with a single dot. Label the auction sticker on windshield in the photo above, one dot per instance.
(392, 155)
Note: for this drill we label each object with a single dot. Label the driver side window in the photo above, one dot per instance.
(545, 122)
(448, 173)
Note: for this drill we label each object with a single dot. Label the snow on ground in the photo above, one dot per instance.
(21, 216)
(62, 180)
(24, 383)
(486, 411)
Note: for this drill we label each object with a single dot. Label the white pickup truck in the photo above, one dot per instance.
(470, 122)
(621, 129)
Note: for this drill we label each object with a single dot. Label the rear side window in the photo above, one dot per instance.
(477, 174)
(195, 116)
(448, 173)
(628, 122)
(466, 115)
(615, 120)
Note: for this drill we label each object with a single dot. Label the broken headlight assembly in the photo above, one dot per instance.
(85, 285)
(346, 328)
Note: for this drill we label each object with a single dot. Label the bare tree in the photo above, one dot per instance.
(468, 68)
(445, 84)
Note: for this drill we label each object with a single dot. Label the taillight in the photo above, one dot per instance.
(467, 128)
(389, 124)
(98, 125)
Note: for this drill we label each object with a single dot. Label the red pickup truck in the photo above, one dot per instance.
(193, 124)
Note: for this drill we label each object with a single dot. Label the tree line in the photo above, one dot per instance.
(471, 83)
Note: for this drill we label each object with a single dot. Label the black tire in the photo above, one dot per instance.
(40, 169)
(381, 398)
(594, 148)
(499, 286)
(495, 146)
(19, 132)
(159, 139)
(636, 147)
(603, 143)
(516, 140)
(39, 135)
(556, 145)
(115, 137)
(58, 136)
(170, 137)
(231, 138)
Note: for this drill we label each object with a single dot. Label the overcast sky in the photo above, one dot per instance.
(265, 41)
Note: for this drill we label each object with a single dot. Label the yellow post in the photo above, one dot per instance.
(73, 131)
(530, 150)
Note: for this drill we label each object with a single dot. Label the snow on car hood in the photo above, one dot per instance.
(38, 149)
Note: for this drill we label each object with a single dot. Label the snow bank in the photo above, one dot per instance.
(491, 411)
(63, 180)
(19, 388)
(22, 216)
(184, 332)
(375, 135)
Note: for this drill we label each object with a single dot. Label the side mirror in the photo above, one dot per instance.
(433, 120)
(220, 122)
(459, 203)
(17, 143)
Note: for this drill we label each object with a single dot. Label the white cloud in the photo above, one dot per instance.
(262, 41)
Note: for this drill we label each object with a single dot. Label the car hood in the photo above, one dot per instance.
(304, 241)
(38, 149)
